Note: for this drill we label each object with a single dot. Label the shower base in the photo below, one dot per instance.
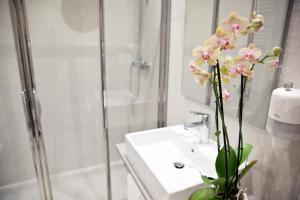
(82, 184)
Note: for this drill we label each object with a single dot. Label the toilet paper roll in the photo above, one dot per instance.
(284, 114)
(285, 106)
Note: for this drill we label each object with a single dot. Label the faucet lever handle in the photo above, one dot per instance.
(199, 113)
(205, 116)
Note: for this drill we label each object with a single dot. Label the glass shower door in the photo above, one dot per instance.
(132, 55)
(66, 71)
(17, 171)
(66, 60)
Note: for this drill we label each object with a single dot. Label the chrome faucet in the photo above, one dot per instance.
(205, 118)
(134, 86)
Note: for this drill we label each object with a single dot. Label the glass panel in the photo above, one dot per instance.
(242, 8)
(17, 175)
(64, 38)
(290, 67)
(132, 36)
(260, 89)
(198, 25)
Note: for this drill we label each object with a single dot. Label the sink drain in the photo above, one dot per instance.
(178, 165)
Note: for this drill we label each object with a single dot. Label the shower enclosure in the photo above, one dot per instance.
(76, 76)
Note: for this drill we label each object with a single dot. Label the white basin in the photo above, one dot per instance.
(153, 153)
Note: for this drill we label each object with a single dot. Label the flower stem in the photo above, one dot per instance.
(265, 57)
(215, 89)
(224, 130)
(240, 139)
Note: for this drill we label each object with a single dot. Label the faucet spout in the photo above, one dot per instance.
(203, 121)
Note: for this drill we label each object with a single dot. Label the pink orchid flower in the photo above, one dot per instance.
(206, 54)
(247, 71)
(236, 71)
(222, 40)
(235, 24)
(274, 63)
(200, 75)
(193, 66)
(250, 54)
(226, 95)
(242, 68)
(226, 63)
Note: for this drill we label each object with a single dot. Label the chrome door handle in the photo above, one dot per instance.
(26, 111)
(39, 109)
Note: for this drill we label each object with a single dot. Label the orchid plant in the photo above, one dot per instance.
(223, 67)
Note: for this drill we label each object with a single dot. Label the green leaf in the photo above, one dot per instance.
(246, 152)
(207, 180)
(246, 169)
(204, 194)
(217, 133)
(221, 164)
(220, 183)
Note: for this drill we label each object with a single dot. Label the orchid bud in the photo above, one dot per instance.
(260, 17)
(220, 32)
(277, 51)
(251, 46)
(257, 23)
(233, 16)
(226, 95)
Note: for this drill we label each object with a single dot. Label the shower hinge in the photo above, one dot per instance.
(26, 110)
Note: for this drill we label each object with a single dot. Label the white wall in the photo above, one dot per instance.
(264, 181)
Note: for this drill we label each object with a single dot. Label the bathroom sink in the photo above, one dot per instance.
(168, 164)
